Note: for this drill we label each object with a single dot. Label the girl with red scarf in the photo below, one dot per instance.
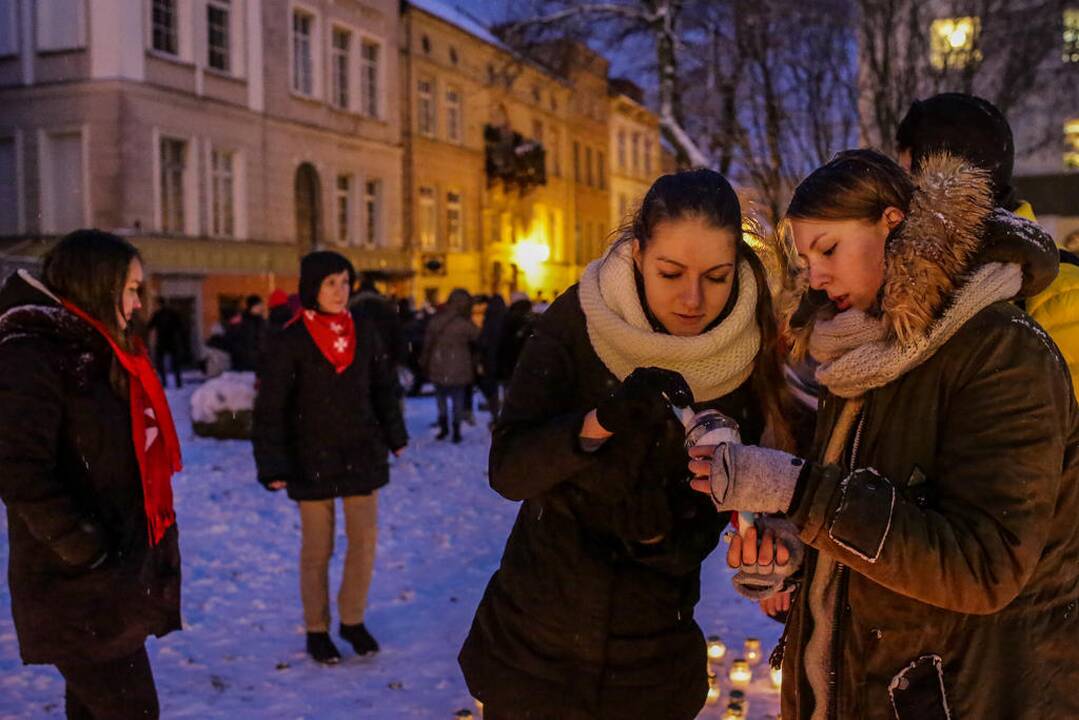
(87, 453)
(326, 418)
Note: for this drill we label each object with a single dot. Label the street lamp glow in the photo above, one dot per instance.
(530, 255)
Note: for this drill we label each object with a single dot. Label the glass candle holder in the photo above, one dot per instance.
(716, 649)
(752, 650)
(741, 673)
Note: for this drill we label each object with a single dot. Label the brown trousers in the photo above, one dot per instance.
(316, 549)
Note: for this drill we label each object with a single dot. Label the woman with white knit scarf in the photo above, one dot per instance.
(940, 510)
(591, 612)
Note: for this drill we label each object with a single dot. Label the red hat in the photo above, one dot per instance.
(278, 298)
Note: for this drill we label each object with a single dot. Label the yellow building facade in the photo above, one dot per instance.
(635, 150)
(508, 174)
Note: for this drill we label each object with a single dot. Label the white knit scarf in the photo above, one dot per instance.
(856, 356)
(713, 363)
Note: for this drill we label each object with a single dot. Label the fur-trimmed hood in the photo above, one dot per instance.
(950, 230)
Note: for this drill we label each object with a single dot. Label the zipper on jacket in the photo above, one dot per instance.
(842, 573)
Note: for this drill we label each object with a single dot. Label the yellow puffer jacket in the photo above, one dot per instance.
(1057, 308)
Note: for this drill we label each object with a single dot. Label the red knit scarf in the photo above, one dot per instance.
(335, 336)
(153, 433)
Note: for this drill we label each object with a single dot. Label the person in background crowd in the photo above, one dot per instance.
(280, 312)
(415, 328)
(87, 452)
(169, 342)
(490, 333)
(977, 131)
(326, 418)
(382, 311)
(940, 502)
(516, 329)
(448, 359)
(590, 614)
(249, 337)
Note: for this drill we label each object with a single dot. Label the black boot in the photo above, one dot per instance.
(361, 640)
(443, 429)
(321, 648)
(456, 432)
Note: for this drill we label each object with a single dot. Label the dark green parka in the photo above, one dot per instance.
(958, 555)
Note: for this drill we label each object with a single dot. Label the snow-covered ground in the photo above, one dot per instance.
(241, 656)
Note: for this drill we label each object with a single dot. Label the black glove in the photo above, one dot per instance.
(643, 399)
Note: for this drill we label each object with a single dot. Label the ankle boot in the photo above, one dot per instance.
(456, 432)
(321, 648)
(360, 639)
(443, 429)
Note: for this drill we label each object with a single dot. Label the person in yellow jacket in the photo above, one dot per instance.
(976, 130)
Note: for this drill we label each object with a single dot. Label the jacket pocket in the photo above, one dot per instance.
(917, 691)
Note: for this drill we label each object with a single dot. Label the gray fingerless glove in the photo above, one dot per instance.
(749, 478)
(758, 582)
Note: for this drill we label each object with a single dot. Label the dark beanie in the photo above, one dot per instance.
(316, 267)
(966, 126)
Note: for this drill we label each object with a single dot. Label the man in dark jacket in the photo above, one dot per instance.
(516, 327)
(372, 305)
(169, 341)
(249, 336)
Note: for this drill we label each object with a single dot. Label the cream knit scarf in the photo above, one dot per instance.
(713, 363)
(856, 355)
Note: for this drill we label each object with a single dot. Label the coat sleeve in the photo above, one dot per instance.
(536, 441)
(274, 446)
(974, 543)
(386, 394)
(31, 415)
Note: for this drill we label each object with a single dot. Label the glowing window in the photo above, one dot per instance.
(1071, 35)
(953, 42)
(1071, 144)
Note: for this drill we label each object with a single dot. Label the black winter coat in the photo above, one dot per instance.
(326, 434)
(67, 464)
(582, 619)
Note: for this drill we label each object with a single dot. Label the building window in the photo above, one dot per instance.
(222, 184)
(173, 162)
(428, 220)
(426, 110)
(492, 76)
(9, 33)
(622, 150)
(372, 195)
(217, 29)
(588, 177)
(576, 161)
(636, 153)
(303, 68)
(601, 169)
(623, 207)
(453, 114)
(342, 59)
(454, 231)
(453, 55)
(343, 200)
(1071, 144)
(369, 69)
(9, 187)
(556, 154)
(61, 24)
(648, 157)
(537, 94)
(1071, 35)
(164, 21)
(425, 43)
(64, 194)
(952, 42)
